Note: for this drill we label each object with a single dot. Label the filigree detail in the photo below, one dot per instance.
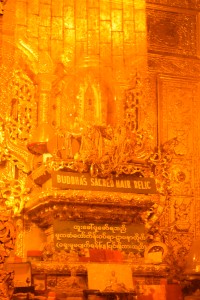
(52, 267)
(16, 128)
(182, 214)
(18, 155)
(132, 101)
(104, 151)
(161, 162)
(88, 205)
(14, 192)
(178, 246)
(23, 107)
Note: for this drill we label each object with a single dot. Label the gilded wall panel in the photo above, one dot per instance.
(129, 33)
(181, 177)
(178, 118)
(56, 49)
(81, 30)
(181, 213)
(44, 32)
(130, 51)
(57, 28)
(93, 3)
(128, 13)
(81, 9)
(69, 47)
(140, 20)
(43, 44)
(190, 4)
(116, 19)
(45, 14)
(33, 25)
(105, 31)
(5, 74)
(68, 18)
(33, 7)
(172, 32)
(80, 50)
(57, 8)
(117, 43)
(174, 66)
(105, 11)
(45, 1)
(93, 42)
(93, 19)
(105, 53)
(196, 217)
(116, 4)
(118, 68)
(21, 17)
(141, 44)
(69, 37)
(176, 100)
(148, 116)
(20, 30)
(8, 25)
(140, 4)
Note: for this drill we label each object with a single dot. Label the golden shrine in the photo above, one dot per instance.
(99, 149)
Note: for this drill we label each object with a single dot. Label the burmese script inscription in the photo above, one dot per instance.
(126, 184)
(70, 235)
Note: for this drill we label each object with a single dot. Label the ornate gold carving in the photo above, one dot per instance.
(16, 128)
(104, 151)
(182, 211)
(50, 267)
(133, 97)
(7, 236)
(23, 110)
(162, 161)
(7, 241)
(176, 119)
(172, 32)
(6, 285)
(179, 112)
(117, 150)
(14, 191)
(88, 205)
(19, 246)
(181, 177)
(178, 246)
(177, 243)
